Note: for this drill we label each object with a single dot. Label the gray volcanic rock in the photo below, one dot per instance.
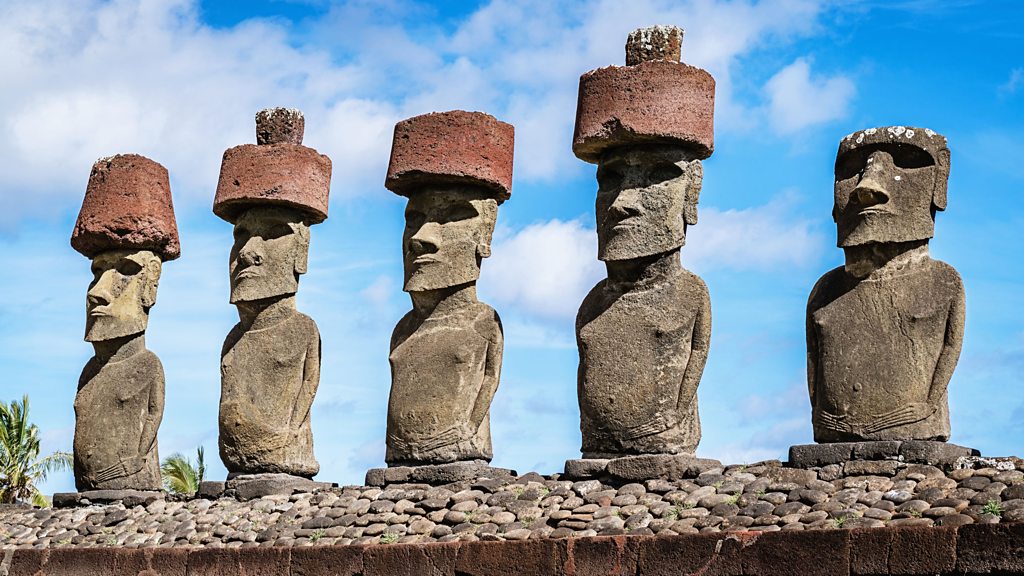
(884, 331)
(445, 355)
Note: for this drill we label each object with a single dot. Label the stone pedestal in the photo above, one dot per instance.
(437, 474)
(640, 467)
(252, 486)
(911, 452)
(129, 498)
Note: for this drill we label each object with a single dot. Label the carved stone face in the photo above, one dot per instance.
(271, 250)
(886, 193)
(447, 231)
(646, 198)
(121, 293)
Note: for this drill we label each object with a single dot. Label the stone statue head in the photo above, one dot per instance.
(271, 250)
(646, 197)
(448, 231)
(121, 293)
(889, 184)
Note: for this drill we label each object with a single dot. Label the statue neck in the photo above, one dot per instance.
(640, 271)
(118, 349)
(260, 314)
(430, 302)
(874, 258)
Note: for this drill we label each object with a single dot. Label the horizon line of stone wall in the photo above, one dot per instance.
(965, 550)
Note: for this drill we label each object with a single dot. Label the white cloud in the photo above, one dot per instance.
(765, 238)
(798, 99)
(1014, 82)
(100, 77)
(545, 269)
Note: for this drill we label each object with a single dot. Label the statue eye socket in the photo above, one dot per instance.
(414, 219)
(128, 267)
(277, 231)
(911, 157)
(459, 212)
(608, 178)
(664, 173)
(850, 164)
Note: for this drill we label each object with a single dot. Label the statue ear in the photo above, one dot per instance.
(150, 280)
(488, 218)
(695, 180)
(941, 179)
(301, 247)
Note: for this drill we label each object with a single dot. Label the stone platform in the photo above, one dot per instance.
(253, 486)
(911, 452)
(640, 467)
(128, 498)
(437, 474)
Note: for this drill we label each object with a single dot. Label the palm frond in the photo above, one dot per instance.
(179, 475)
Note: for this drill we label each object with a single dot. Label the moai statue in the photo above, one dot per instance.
(884, 330)
(270, 364)
(127, 227)
(455, 168)
(643, 333)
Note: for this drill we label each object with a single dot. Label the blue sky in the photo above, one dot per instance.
(180, 81)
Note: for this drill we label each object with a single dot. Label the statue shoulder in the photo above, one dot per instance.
(693, 286)
(827, 288)
(304, 323)
(591, 305)
(486, 321)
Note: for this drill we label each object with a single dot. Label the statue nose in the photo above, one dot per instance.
(870, 193)
(251, 254)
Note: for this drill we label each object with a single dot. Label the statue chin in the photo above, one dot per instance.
(105, 328)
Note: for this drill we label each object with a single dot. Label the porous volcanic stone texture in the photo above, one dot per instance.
(654, 43)
(649, 103)
(277, 125)
(284, 174)
(127, 206)
(457, 146)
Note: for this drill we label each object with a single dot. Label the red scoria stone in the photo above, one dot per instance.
(127, 206)
(457, 146)
(654, 102)
(284, 174)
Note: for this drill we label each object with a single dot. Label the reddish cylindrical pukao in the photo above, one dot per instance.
(279, 172)
(127, 206)
(651, 102)
(456, 146)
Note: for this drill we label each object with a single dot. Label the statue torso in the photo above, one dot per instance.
(634, 348)
(111, 408)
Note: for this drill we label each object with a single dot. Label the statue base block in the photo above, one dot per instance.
(640, 467)
(437, 474)
(909, 451)
(252, 486)
(129, 498)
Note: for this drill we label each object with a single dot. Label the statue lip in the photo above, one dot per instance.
(97, 312)
(873, 210)
(246, 273)
(424, 258)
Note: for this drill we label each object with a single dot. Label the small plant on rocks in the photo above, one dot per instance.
(838, 522)
(389, 538)
(316, 535)
(732, 499)
(689, 505)
(993, 507)
(518, 490)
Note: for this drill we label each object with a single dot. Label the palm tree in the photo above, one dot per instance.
(20, 467)
(180, 475)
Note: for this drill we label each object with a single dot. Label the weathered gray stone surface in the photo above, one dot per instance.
(270, 362)
(436, 474)
(916, 451)
(120, 399)
(252, 486)
(644, 332)
(884, 331)
(446, 352)
(641, 467)
(755, 497)
(128, 498)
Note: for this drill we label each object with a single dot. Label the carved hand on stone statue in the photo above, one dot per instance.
(660, 423)
(906, 414)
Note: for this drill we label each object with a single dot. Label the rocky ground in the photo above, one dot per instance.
(760, 497)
